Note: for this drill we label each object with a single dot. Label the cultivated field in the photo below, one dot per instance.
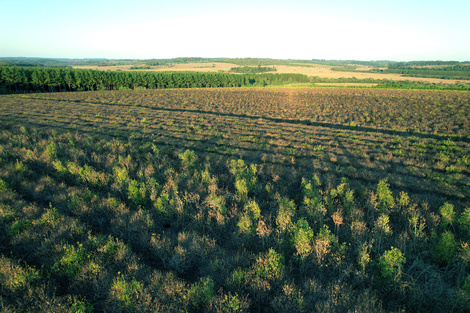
(235, 200)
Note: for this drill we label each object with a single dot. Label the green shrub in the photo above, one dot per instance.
(404, 200)
(72, 260)
(285, 213)
(126, 292)
(382, 229)
(245, 177)
(20, 226)
(163, 203)
(269, 265)
(238, 278)
(137, 192)
(3, 185)
(201, 293)
(416, 225)
(20, 167)
(364, 256)
(464, 219)
(445, 248)
(384, 196)
(310, 189)
(111, 247)
(447, 214)
(466, 285)
(390, 264)
(14, 276)
(81, 306)
(188, 159)
(51, 150)
(241, 189)
(302, 236)
(324, 242)
(6, 213)
(51, 216)
(121, 174)
(60, 168)
(248, 221)
(114, 202)
(233, 303)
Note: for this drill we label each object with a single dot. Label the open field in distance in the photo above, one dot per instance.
(323, 71)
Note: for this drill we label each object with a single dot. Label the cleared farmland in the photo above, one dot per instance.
(232, 200)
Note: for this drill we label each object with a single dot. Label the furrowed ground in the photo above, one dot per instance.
(235, 200)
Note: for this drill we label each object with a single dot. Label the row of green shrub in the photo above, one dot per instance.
(15, 79)
(133, 226)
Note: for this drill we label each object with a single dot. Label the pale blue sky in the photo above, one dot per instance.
(318, 29)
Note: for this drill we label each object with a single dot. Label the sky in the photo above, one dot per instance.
(398, 30)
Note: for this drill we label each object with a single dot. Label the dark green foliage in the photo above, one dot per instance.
(252, 69)
(36, 79)
(445, 248)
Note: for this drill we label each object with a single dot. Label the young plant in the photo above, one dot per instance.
(447, 214)
(364, 256)
(382, 229)
(285, 213)
(126, 292)
(323, 243)
(302, 237)
(390, 264)
(249, 220)
(188, 159)
(137, 192)
(72, 260)
(269, 265)
(384, 196)
(464, 220)
(201, 293)
(445, 248)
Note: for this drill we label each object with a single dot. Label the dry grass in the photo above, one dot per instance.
(325, 71)
(195, 67)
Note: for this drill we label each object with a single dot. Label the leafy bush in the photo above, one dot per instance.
(466, 285)
(126, 292)
(51, 150)
(384, 196)
(464, 219)
(445, 248)
(447, 214)
(390, 264)
(285, 213)
(3, 185)
(81, 306)
(269, 265)
(137, 192)
(188, 159)
(200, 294)
(72, 260)
(302, 236)
(20, 226)
(248, 221)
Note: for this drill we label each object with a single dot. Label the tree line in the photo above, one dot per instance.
(14, 79)
(459, 71)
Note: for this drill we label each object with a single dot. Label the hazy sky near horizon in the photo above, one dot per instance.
(317, 29)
